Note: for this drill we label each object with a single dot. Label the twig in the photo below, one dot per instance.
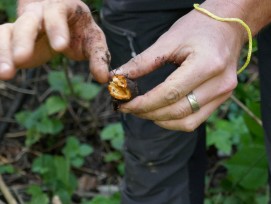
(56, 200)
(45, 94)
(66, 71)
(7, 194)
(7, 120)
(17, 89)
(249, 112)
(16, 105)
(16, 193)
(16, 134)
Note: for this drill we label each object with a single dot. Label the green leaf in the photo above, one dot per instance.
(30, 119)
(85, 150)
(111, 131)
(71, 148)
(248, 167)
(50, 126)
(115, 134)
(62, 167)
(58, 82)
(23, 118)
(43, 164)
(32, 136)
(87, 91)
(55, 104)
(121, 168)
(76, 152)
(6, 169)
(37, 196)
(77, 162)
(117, 143)
(56, 175)
(101, 199)
(262, 199)
(231, 200)
(64, 196)
(10, 7)
(254, 127)
(226, 133)
(221, 140)
(112, 156)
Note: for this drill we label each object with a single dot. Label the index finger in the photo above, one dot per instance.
(152, 58)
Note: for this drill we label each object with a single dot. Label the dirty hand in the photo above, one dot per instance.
(47, 27)
(206, 53)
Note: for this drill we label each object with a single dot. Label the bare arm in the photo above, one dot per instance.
(256, 13)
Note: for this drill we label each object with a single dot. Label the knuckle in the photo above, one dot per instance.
(5, 27)
(189, 125)
(181, 112)
(137, 60)
(229, 84)
(218, 65)
(172, 95)
(133, 67)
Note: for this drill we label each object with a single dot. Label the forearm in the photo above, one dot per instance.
(256, 13)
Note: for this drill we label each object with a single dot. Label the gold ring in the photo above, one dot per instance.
(193, 102)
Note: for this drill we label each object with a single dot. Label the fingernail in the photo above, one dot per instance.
(59, 43)
(4, 67)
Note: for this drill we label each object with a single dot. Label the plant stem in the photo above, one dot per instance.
(7, 194)
(249, 112)
(66, 71)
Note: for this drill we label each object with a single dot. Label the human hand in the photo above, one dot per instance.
(206, 52)
(47, 27)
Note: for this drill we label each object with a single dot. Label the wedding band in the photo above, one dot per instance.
(193, 102)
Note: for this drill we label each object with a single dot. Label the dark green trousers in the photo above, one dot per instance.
(161, 166)
(264, 56)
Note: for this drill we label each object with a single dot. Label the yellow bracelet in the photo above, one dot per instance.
(196, 6)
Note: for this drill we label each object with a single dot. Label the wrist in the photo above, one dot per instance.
(255, 13)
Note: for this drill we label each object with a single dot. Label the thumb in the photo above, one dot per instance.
(149, 60)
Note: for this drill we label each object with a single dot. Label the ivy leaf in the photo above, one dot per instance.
(55, 104)
(248, 167)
